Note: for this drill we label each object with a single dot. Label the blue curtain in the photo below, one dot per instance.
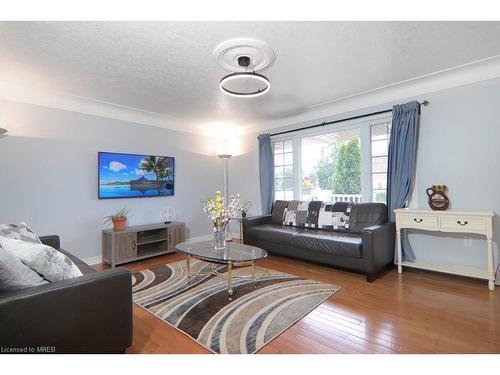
(402, 161)
(266, 169)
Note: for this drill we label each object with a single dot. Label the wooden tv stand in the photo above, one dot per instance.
(141, 242)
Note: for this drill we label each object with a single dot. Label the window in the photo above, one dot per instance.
(380, 145)
(331, 167)
(283, 169)
(343, 162)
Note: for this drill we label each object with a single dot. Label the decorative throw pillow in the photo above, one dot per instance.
(20, 232)
(334, 216)
(289, 217)
(278, 213)
(296, 213)
(347, 217)
(290, 214)
(313, 214)
(302, 214)
(47, 261)
(16, 275)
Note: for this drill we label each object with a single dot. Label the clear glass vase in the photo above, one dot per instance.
(219, 238)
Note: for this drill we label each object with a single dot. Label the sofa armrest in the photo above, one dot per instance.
(378, 247)
(88, 314)
(52, 241)
(258, 220)
(250, 222)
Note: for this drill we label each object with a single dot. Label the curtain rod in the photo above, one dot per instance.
(424, 103)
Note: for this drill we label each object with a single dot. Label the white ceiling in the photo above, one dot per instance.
(168, 67)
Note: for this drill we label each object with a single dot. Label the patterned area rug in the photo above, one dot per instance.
(241, 324)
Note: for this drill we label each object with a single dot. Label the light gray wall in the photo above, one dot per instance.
(48, 169)
(243, 176)
(459, 146)
(244, 173)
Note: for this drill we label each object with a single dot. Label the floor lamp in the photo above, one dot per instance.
(225, 158)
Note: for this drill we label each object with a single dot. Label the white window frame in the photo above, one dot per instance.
(273, 140)
(371, 157)
(364, 125)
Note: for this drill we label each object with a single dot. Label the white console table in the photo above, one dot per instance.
(477, 222)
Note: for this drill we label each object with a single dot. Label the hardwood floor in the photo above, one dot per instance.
(417, 312)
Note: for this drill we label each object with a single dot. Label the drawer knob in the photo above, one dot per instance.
(459, 222)
(418, 220)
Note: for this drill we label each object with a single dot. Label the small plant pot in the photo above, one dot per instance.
(119, 223)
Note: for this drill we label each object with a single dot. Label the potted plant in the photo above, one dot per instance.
(119, 219)
(244, 209)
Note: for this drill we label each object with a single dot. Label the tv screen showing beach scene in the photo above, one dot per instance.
(135, 176)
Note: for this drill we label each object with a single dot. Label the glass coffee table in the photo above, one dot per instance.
(234, 255)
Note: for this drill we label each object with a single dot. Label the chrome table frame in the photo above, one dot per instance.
(228, 276)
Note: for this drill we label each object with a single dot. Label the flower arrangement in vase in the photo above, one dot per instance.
(221, 213)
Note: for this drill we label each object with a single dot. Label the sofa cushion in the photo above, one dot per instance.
(84, 267)
(278, 211)
(335, 243)
(334, 216)
(364, 215)
(295, 213)
(19, 232)
(273, 233)
(302, 214)
(45, 260)
(313, 213)
(16, 275)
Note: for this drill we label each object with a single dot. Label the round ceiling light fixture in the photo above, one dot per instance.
(245, 84)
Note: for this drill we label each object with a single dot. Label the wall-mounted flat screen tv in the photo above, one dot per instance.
(135, 176)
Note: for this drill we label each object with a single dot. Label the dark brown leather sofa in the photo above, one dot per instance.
(367, 247)
(87, 314)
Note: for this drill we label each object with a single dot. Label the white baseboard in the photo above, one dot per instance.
(93, 260)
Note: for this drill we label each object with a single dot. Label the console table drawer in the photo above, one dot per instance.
(419, 220)
(463, 223)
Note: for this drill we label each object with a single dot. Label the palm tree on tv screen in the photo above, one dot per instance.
(166, 169)
(152, 164)
(157, 165)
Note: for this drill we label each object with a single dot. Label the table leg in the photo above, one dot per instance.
(491, 271)
(253, 274)
(398, 249)
(188, 268)
(230, 278)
